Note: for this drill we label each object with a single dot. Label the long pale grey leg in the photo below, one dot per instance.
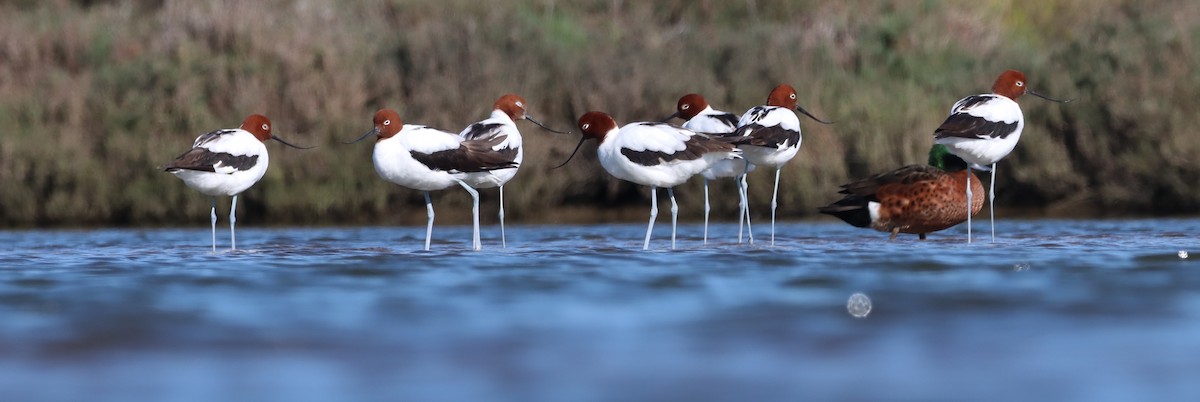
(428, 222)
(968, 204)
(746, 191)
(674, 214)
(653, 215)
(706, 209)
(503, 241)
(232, 220)
(475, 243)
(774, 203)
(214, 223)
(741, 207)
(991, 202)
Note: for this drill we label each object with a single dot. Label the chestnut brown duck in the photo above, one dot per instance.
(915, 199)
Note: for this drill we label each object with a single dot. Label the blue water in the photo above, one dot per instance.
(1056, 310)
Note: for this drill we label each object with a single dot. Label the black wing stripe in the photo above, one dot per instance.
(728, 119)
(757, 113)
(971, 101)
(481, 130)
(767, 136)
(963, 125)
(470, 156)
(694, 148)
(210, 136)
(201, 159)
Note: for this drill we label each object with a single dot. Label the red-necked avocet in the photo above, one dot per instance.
(226, 163)
(428, 159)
(653, 154)
(501, 125)
(771, 136)
(702, 118)
(983, 129)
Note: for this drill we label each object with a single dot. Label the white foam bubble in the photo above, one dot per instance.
(859, 305)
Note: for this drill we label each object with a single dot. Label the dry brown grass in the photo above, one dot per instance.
(95, 95)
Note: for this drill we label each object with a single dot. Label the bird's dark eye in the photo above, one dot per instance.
(387, 122)
(585, 126)
(793, 96)
(686, 107)
(265, 127)
(1020, 84)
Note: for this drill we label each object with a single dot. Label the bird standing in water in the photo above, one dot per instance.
(501, 125)
(703, 119)
(916, 199)
(226, 163)
(652, 154)
(983, 129)
(428, 159)
(770, 136)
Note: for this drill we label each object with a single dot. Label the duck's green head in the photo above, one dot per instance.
(941, 158)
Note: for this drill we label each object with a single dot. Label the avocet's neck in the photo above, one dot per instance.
(502, 116)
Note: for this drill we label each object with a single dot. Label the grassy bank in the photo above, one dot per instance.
(95, 95)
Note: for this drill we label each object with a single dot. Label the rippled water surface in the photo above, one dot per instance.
(1055, 310)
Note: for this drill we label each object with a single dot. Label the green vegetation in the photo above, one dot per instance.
(95, 95)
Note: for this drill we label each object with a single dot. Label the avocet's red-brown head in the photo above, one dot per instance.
(783, 96)
(387, 124)
(592, 125)
(1011, 84)
(689, 106)
(258, 125)
(596, 125)
(513, 105)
